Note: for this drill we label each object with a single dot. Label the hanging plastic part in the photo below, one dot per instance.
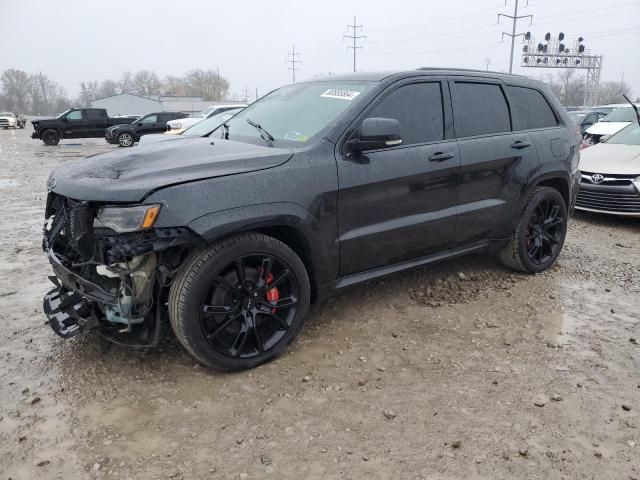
(273, 295)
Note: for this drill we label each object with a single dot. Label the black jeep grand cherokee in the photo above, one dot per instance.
(313, 188)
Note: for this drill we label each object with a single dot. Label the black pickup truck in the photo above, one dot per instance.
(76, 123)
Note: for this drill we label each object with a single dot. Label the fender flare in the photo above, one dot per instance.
(318, 249)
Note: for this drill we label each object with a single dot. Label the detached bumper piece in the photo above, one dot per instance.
(68, 313)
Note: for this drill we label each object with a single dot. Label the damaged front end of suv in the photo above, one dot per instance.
(111, 268)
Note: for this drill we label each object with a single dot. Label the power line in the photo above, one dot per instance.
(355, 37)
(514, 20)
(292, 58)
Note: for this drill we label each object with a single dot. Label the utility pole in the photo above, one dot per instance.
(514, 20)
(487, 62)
(355, 37)
(246, 94)
(256, 93)
(292, 58)
(219, 88)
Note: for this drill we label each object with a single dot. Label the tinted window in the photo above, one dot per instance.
(75, 115)
(94, 115)
(150, 119)
(530, 109)
(418, 108)
(479, 109)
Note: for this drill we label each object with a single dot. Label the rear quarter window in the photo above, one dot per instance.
(480, 109)
(529, 109)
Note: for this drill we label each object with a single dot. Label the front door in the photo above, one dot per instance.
(399, 203)
(74, 124)
(148, 124)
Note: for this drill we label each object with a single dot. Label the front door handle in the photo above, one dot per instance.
(520, 144)
(441, 156)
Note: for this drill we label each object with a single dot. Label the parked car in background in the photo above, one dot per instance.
(610, 174)
(586, 118)
(75, 123)
(612, 123)
(177, 126)
(200, 129)
(13, 120)
(315, 187)
(127, 134)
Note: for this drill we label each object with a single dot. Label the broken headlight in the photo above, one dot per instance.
(127, 219)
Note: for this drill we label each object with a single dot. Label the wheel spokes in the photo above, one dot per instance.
(280, 321)
(222, 326)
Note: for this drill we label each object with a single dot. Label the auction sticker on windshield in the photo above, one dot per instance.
(340, 94)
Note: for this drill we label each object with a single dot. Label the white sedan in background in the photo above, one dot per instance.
(179, 125)
(612, 123)
(611, 174)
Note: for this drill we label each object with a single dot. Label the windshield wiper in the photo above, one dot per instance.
(225, 128)
(266, 136)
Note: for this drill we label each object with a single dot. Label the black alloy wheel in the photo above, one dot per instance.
(544, 233)
(50, 137)
(249, 306)
(539, 234)
(240, 302)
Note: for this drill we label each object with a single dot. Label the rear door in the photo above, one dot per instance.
(493, 157)
(399, 203)
(95, 122)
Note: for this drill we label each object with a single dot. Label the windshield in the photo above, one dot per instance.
(624, 114)
(296, 113)
(64, 113)
(629, 135)
(205, 127)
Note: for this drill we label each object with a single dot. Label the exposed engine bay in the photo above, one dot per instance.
(113, 282)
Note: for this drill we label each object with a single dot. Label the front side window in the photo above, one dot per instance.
(75, 115)
(149, 119)
(529, 109)
(418, 108)
(295, 114)
(480, 109)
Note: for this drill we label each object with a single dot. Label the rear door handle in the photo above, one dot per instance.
(520, 144)
(441, 156)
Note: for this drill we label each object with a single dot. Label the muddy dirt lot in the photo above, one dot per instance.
(464, 370)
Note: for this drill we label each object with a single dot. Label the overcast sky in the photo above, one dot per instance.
(76, 40)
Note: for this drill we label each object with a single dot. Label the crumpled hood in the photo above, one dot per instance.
(606, 128)
(129, 175)
(611, 158)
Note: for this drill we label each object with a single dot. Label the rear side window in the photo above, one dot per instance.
(530, 109)
(94, 115)
(480, 109)
(418, 108)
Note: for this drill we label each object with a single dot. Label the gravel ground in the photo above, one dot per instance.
(462, 370)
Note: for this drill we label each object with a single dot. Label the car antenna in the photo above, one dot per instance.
(634, 107)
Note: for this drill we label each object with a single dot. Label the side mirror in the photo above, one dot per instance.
(377, 133)
(65, 119)
(139, 124)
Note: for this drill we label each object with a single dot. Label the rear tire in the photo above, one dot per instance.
(539, 234)
(50, 137)
(240, 302)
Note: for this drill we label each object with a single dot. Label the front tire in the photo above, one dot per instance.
(50, 137)
(540, 232)
(125, 139)
(240, 302)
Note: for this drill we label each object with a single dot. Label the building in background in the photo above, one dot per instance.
(130, 104)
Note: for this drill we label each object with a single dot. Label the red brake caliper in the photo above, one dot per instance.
(273, 295)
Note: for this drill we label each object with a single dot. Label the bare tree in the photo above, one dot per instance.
(612, 92)
(146, 83)
(16, 89)
(208, 84)
(89, 91)
(108, 88)
(173, 85)
(126, 83)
